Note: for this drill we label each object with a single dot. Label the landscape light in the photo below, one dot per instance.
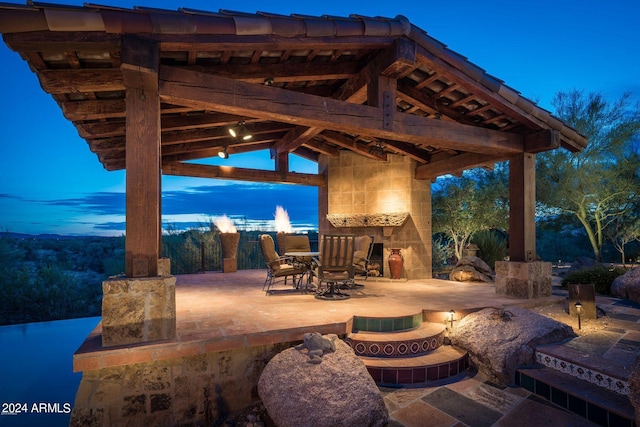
(579, 310)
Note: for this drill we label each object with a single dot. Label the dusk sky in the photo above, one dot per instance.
(51, 183)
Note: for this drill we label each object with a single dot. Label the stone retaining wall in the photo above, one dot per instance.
(189, 390)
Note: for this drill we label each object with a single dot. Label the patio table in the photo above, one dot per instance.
(305, 260)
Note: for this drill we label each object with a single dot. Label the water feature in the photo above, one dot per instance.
(37, 381)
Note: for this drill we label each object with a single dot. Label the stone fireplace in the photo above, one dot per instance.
(380, 199)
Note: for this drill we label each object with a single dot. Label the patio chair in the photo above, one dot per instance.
(335, 265)
(278, 268)
(298, 243)
(362, 255)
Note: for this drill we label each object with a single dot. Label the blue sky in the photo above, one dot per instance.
(51, 183)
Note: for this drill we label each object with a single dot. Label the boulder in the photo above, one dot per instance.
(627, 286)
(501, 340)
(297, 391)
(634, 386)
(471, 269)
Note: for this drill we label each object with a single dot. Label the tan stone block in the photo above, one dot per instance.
(164, 267)
(106, 393)
(156, 378)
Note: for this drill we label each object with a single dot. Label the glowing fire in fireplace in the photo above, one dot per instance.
(283, 225)
(225, 224)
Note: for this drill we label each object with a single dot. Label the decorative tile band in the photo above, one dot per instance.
(386, 324)
(412, 347)
(418, 374)
(575, 370)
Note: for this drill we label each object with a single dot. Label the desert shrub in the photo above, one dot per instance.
(600, 276)
(492, 246)
(442, 252)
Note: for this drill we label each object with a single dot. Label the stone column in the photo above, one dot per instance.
(523, 279)
(138, 310)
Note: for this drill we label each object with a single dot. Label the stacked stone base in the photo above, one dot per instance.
(138, 310)
(523, 279)
(198, 389)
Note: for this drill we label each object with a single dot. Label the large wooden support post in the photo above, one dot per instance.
(141, 307)
(522, 276)
(522, 212)
(140, 72)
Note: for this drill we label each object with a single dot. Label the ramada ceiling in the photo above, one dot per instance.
(305, 85)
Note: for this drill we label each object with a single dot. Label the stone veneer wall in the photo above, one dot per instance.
(358, 185)
(190, 390)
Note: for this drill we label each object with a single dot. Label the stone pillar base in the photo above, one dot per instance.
(138, 310)
(229, 265)
(523, 279)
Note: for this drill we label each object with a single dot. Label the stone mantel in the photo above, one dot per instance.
(384, 220)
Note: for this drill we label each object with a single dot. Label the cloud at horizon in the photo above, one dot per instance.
(250, 205)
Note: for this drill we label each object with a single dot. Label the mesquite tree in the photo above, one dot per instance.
(600, 184)
(478, 200)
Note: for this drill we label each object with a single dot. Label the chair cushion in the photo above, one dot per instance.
(268, 248)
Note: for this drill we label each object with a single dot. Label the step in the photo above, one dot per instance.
(442, 363)
(599, 405)
(387, 324)
(425, 338)
(587, 367)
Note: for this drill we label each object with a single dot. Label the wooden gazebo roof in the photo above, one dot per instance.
(302, 84)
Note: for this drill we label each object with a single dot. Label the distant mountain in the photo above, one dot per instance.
(41, 236)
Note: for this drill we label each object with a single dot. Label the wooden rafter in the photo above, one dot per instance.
(199, 90)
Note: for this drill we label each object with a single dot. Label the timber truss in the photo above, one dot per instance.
(309, 86)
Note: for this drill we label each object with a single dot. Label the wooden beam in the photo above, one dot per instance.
(282, 73)
(107, 109)
(408, 150)
(83, 80)
(143, 223)
(453, 165)
(522, 207)
(544, 140)
(199, 90)
(242, 174)
(322, 148)
(217, 43)
(295, 138)
(346, 142)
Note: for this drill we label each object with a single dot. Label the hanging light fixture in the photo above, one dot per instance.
(224, 154)
(240, 132)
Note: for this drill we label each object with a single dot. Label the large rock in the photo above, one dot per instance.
(471, 269)
(501, 340)
(634, 386)
(627, 286)
(338, 391)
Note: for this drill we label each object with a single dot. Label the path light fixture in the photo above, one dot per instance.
(451, 314)
(240, 132)
(579, 311)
